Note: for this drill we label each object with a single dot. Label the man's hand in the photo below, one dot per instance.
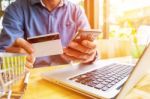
(81, 50)
(22, 46)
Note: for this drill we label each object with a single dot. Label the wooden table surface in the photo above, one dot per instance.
(39, 88)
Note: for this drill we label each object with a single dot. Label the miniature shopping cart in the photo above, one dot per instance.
(12, 68)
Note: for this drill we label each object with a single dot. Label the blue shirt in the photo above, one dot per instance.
(28, 18)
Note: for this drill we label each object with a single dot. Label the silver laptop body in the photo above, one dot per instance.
(70, 77)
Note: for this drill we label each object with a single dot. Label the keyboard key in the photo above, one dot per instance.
(96, 82)
(100, 75)
(107, 80)
(105, 88)
(106, 76)
(113, 83)
(96, 76)
(111, 78)
(83, 76)
(100, 80)
(84, 81)
(109, 85)
(91, 84)
(104, 82)
(119, 78)
(103, 78)
(99, 86)
(116, 80)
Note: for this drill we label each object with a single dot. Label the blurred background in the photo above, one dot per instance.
(125, 24)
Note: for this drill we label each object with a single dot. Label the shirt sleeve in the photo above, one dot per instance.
(81, 19)
(12, 26)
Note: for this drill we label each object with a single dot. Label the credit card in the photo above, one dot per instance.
(46, 45)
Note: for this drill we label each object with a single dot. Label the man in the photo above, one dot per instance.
(28, 18)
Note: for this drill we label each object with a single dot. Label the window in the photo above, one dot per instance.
(127, 15)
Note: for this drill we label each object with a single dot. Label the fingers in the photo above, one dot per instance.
(88, 44)
(29, 65)
(85, 46)
(23, 44)
(91, 58)
(81, 48)
(30, 61)
(15, 50)
(76, 54)
(31, 58)
(69, 58)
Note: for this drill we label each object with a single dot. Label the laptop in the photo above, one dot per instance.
(103, 80)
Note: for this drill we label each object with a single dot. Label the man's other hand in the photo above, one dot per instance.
(22, 46)
(81, 50)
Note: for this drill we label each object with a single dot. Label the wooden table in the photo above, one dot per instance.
(39, 88)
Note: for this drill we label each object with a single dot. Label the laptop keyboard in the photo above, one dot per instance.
(104, 78)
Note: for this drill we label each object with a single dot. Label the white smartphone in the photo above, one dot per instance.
(92, 32)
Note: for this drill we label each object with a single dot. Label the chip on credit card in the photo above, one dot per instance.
(46, 45)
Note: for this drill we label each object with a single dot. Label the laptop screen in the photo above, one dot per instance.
(137, 73)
